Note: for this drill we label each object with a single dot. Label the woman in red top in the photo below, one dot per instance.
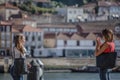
(107, 46)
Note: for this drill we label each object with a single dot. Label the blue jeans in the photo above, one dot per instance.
(14, 76)
(104, 74)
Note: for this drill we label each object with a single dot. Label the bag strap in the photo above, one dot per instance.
(110, 47)
(13, 53)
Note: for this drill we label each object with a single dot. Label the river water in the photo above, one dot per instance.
(68, 76)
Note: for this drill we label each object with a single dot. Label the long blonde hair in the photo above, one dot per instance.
(18, 44)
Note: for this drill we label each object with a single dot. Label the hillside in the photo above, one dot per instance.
(78, 2)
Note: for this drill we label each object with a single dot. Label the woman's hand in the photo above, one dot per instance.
(28, 65)
(98, 44)
(96, 54)
(101, 50)
(98, 41)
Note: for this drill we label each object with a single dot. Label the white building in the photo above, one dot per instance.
(6, 10)
(5, 38)
(17, 1)
(75, 46)
(34, 38)
(72, 14)
(110, 10)
(51, 32)
(102, 11)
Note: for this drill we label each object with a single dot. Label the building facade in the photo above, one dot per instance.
(5, 39)
(58, 28)
(72, 14)
(6, 10)
(33, 40)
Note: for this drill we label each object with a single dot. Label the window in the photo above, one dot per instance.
(60, 43)
(74, 12)
(65, 42)
(78, 43)
(39, 33)
(8, 44)
(5, 28)
(90, 53)
(32, 47)
(94, 43)
(46, 29)
(39, 38)
(59, 30)
(86, 43)
(7, 36)
(34, 33)
(2, 43)
(73, 30)
(8, 28)
(2, 35)
(76, 53)
(2, 28)
(26, 47)
(39, 46)
(70, 12)
(71, 43)
(52, 30)
(33, 38)
(66, 30)
(70, 20)
(26, 38)
(40, 53)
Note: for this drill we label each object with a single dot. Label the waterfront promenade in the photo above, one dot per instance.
(58, 63)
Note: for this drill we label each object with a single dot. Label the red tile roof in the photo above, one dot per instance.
(97, 26)
(20, 20)
(76, 37)
(56, 26)
(15, 30)
(61, 36)
(106, 3)
(49, 35)
(30, 29)
(5, 23)
(89, 5)
(91, 36)
(8, 6)
(18, 27)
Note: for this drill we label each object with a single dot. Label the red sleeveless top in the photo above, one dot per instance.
(111, 47)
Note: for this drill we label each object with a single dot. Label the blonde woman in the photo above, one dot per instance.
(19, 52)
(107, 46)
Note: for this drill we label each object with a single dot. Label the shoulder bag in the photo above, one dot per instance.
(20, 66)
(106, 60)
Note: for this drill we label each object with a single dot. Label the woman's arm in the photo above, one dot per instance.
(98, 43)
(98, 51)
